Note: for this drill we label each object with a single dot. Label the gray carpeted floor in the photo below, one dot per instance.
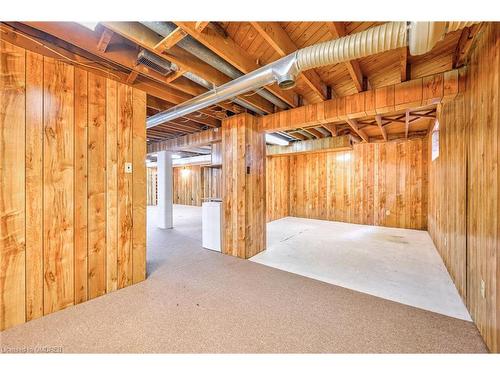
(196, 300)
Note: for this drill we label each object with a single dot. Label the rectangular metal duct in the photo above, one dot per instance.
(162, 66)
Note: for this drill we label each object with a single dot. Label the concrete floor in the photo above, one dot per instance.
(199, 301)
(400, 265)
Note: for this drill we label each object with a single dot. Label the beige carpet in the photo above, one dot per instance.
(196, 300)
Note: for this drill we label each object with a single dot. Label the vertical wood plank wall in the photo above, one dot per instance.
(243, 187)
(464, 189)
(188, 185)
(196, 183)
(71, 220)
(376, 183)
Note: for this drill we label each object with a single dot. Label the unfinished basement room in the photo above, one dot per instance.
(250, 186)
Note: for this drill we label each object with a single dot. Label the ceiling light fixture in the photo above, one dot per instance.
(275, 140)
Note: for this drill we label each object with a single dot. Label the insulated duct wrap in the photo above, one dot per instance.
(375, 40)
(457, 25)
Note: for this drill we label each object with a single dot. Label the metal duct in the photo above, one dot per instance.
(284, 71)
(197, 49)
(155, 62)
(204, 83)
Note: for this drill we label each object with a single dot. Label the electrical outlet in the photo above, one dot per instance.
(128, 167)
(483, 289)
(445, 240)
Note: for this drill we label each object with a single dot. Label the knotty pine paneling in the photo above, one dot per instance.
(243, 187)
(212, 182)
(464, 186)
(65, 135)
(483, 185)
(188, 185)
(12, 179)
(277, 187)
(465, 227)
(376, 184)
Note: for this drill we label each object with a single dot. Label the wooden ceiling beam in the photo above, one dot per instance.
(235, 55)
(200, 25)
(87, 40)
(132, 77)
(407, 123)
(337, 30)
(354, 126)
(202, 118)
(146, 38)
(383, 131)
(395, 98)
(105, 39)
(313, 136)
(170, 40)
(332, 128)
(464, 44)
(279, 40)
(314, 132)
(403, 62)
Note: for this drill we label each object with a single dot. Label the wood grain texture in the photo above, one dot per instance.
(12, 180)
(139, 187)
(437, 88)
(376, 184)
(277, 187)
(96, 186)
(111, 186)
(81, 186)
(188, 185)
(198, 139)
(465, 186)
(34, 187)
(58, 165)
(124, 186)
(243, 191)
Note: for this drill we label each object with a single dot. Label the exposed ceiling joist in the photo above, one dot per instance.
(170, 40)
(354, 126)
(332, 128)
(403, 62)
(279, 40)
(337, 30)
(227, 49)
(200, 25)
(378, 118)
(147, 39)
(407, 123)
(105, 39)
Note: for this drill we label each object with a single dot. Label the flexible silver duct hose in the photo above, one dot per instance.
(377, 39)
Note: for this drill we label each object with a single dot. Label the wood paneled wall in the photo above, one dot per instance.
(243, 187)
(277, 187)
(188, 185)
(193, 183)
(152, 186)
(72, 222)
(375, 183)
(212, 182)
(465, 186)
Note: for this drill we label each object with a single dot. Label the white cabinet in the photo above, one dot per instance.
(211, 225)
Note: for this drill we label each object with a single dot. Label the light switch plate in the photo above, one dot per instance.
(483, 289)
(128, 167)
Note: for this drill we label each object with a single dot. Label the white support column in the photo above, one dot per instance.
(165, 190)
